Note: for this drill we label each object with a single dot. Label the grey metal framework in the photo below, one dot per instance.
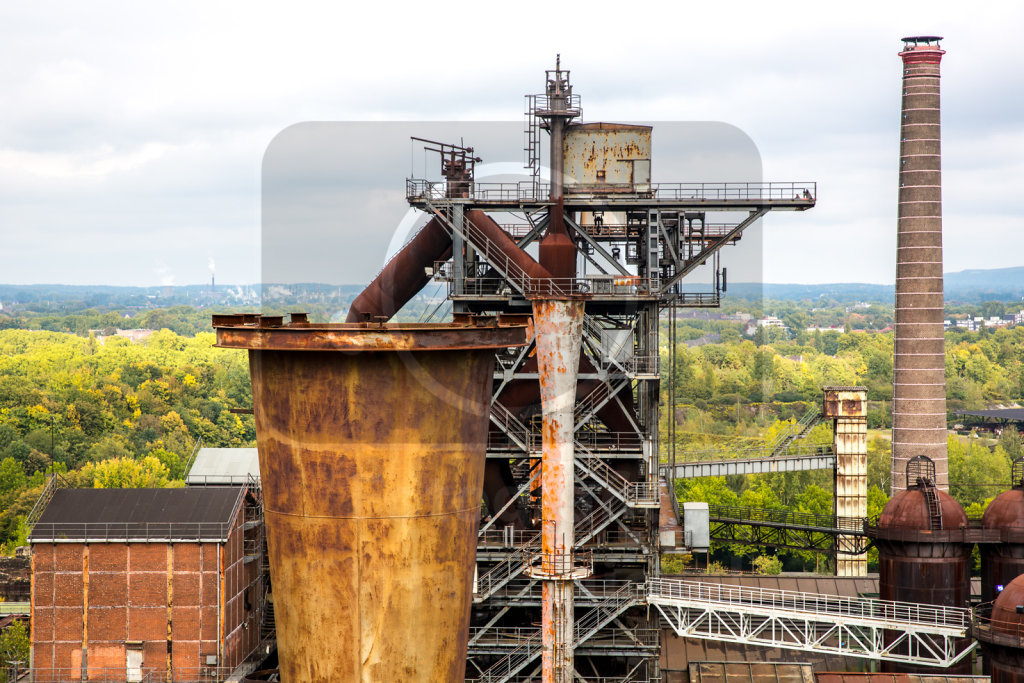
(633, 270)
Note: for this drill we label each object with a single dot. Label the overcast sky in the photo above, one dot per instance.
(132, 134)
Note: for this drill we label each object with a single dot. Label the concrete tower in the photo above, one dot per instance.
(919, 382)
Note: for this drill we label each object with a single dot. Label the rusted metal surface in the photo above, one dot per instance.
(921, 555)
(919, 380)
(372, 465)
(557, 250)
(506, 245)
(847, 677)
(1000, 629)
(559, 329)
(847, 406)
(605, 158)
(404, 275)
(1002, 562)
(369, 336)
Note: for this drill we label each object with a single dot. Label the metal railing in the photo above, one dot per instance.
(419, 189)
(55, 482)
(1005, 632)
(121, 531)
(760, 452)
(829, 607)
(568, 565)
(203, 674)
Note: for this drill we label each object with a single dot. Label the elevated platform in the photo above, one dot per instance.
(792, 196)
(764, 465)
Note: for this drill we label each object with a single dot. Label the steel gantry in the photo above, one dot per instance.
(609, 238)
(858, 627)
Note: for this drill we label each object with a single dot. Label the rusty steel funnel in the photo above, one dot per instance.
(371, 445)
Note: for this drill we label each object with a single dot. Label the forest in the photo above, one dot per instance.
(103, 410)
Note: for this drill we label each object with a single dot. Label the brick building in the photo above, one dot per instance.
(146, 582)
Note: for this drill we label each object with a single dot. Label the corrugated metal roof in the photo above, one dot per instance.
(138, 514)
(214, 466)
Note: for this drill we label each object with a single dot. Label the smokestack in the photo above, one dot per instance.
(919, 380)
(371, 445)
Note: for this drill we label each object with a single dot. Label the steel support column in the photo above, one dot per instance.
(558, 326)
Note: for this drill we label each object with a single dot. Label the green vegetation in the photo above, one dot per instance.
(14, 647)
(113, 414)
(105, 411)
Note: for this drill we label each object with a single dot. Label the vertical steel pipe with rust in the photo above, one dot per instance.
(371, 447)
(558, 326)
(919, 361)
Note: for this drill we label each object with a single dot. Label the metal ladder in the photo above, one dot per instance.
(931, 499)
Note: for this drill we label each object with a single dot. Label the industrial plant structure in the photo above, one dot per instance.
(378, 440)
(570, 536)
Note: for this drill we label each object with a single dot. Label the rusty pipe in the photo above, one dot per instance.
(403, 276)
(558, 326)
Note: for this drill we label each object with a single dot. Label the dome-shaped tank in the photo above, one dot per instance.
(1001, 633)
(922, 556)
(1004, 561)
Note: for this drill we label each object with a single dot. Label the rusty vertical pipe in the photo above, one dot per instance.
(371, 446)
(919, 381)
(559, 332)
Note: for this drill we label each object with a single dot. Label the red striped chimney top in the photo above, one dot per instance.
(922, 50)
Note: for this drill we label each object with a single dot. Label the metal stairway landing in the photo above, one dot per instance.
(506, 668)
(859, 627)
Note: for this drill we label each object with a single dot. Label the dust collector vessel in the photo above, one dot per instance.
(371, 445)
(922, 556)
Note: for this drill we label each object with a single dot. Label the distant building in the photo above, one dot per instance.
(147, 584)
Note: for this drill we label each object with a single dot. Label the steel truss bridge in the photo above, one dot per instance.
(856, 627)
(788, 529)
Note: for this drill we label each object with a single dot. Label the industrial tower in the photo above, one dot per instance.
(570, 531)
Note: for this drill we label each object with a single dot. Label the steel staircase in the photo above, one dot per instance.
(597, 618)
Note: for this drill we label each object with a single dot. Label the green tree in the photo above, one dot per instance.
(14, 648)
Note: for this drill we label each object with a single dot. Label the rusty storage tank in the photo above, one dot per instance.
(603, 158)
(1000, 629)
(922, 556)
(371, 445)
(1002, 562)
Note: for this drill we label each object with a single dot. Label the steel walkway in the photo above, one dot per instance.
(819, 458)
(856, 627)
(787, 529)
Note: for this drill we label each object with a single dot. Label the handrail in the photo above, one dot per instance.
(77, 531)
(419, 189)
(907, 614)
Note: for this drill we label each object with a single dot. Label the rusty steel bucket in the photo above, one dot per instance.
(371, 446)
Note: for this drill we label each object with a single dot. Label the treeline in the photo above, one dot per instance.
(977, 474)
(982, 368)
(112, 413)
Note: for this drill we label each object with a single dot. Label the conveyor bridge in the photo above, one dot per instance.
(857, 627)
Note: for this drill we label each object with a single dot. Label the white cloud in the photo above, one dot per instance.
(125, 124)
